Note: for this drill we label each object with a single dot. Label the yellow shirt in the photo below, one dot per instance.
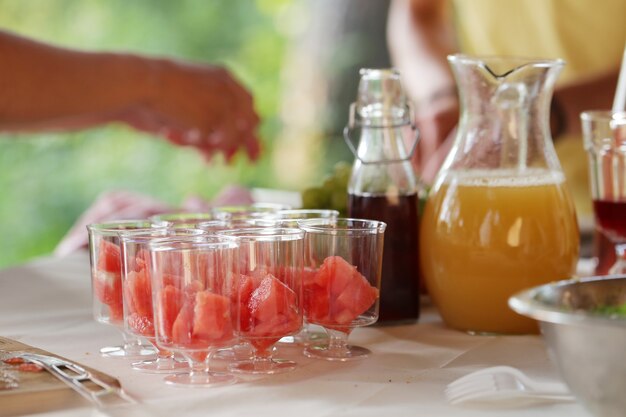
(590, 35)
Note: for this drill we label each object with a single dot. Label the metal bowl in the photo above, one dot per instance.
(589, 347)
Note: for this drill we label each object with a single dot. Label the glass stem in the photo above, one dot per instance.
(162, 354)
(131, 343)
(262, 359)
(620, 259)
(198, 368)
(198, 364)
(338, 341)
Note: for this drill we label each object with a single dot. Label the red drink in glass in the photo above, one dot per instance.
(611, 218)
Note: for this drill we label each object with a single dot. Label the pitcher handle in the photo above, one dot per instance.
(353, 125)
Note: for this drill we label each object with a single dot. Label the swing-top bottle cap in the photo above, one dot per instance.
(381, 99)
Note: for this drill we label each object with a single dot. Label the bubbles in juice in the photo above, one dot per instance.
(486, 235)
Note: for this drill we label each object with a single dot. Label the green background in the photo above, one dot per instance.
(48, 180)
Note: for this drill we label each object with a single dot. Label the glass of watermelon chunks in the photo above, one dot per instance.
(270, 294)
(290, 218)
(106, 280)
(341, 284)
(137, 292)
(194, 289)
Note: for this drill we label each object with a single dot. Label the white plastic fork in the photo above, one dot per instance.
(504, 383)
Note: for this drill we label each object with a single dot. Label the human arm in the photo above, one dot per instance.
(570, 100)
(50, 88)
(420, 37)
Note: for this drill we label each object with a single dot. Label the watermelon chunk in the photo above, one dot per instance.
(203, 321)
(183, 325)
(355, 299)
(273, 309)
(138, 292)
(212, 319)
(141, 324)
(170, 305)
(107, 287)
(142, 260)
(247, 284)
(337, 294)
(107, 282)
(109, 258)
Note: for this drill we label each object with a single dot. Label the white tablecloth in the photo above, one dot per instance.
(47, 304)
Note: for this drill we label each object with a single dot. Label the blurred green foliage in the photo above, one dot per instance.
(331, 193)
(48, 180)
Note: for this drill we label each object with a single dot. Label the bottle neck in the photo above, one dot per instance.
(382, 145)
(383, 165)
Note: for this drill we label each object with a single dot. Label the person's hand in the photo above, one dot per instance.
(197, 105)
(436, 125)
(49, 88)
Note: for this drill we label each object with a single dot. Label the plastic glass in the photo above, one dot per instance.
(290, 218)
(137, 289)
(270, 294)
(343, 265)
(241, 350)
(604, 135)
(194, 285)
(106, 283)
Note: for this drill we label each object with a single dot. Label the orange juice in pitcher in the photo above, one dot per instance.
(490, 236)
(499, 217)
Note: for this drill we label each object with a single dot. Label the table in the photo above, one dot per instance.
(46, 303)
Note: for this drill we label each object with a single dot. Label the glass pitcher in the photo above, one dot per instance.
(499, 217)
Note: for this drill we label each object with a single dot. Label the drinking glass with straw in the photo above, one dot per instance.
(604, 134)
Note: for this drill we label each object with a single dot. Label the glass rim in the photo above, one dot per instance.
(264, 234)
(250, 208)
(602, 115)
(182, 215)
(192, 243)
(302, 211)
(214, 222)
(327, 225)
(141, 235)
(115, 226)
(378, 73)
(519, 61)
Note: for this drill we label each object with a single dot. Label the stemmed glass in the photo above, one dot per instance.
(106, 279)
(342, 285)
(270, 294)
(604, 135)
(194, 293)
(290, 218)
(241, 350)
(137, 290)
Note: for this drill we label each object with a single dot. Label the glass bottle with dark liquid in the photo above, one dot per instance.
(383, 187)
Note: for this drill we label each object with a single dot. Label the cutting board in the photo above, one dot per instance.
(36, 392)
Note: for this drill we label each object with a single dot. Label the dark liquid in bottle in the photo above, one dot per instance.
(400, 290)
